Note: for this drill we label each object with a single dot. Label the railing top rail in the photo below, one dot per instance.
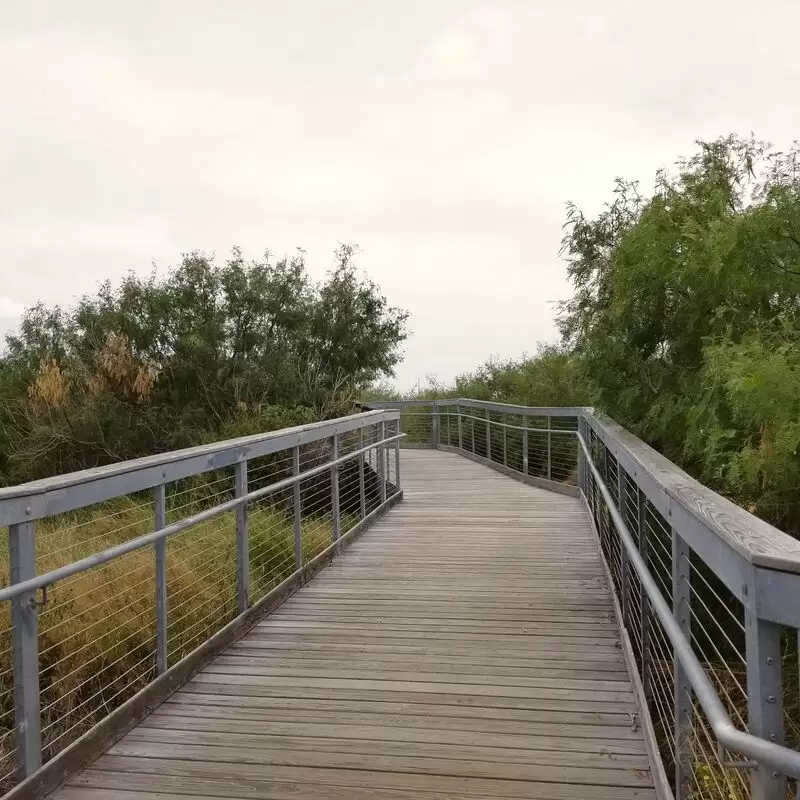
(767, 752)
(504, 408)
(110, 553)
(754, 539)
(61, 493)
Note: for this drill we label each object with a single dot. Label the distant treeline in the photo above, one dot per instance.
(204, 352)
(684, 324)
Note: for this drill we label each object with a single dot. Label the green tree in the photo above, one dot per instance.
(157, 363)
(679, 296)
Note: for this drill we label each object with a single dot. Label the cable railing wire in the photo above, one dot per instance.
(99, 635)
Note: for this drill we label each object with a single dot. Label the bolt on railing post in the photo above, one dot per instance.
(160, 520)
(460, 431)
(505, 444)
(681, 599)
(644, 621)
(764, 699)
(448, 425)
(435, 425)
(335, 511)
(625, 577)
(524, 445)
(549, 449)
(488, 435)
(362, 494)
(580, 465)
(25, 644)
(297, 509)
(242, 540)
(381, 453)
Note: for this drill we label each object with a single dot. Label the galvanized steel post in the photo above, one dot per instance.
(362, 494)
(472, 429)
(525, 445)
(242, 540)
(681, 599)
(505, 444)
(381, 453)
(335, 512)
(549, 449)
(488, 435)
(25, 644)
(580, 466)
(644, 621)
(160, 520)
(397, 464)
(460, 431)
(296, 509)
(625, 576)
(764, 699)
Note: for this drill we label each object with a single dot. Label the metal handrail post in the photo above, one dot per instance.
(25, 644)
(242, 540)
(397, 463)
(525, 446)
(297, 510)
(681, 600)
(764, 699)
(381, 453)
(160, 520)
(362, 494)
(335, 510)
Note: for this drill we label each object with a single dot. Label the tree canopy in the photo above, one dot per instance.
(161, 362)
(684, 323)
(686, 317)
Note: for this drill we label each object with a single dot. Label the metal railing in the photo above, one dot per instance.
(708, 595)
(118, 575)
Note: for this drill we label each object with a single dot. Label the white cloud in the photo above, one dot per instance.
(455, 53)
(10, 308)
(443, 137)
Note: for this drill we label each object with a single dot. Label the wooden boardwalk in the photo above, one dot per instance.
(464, 647)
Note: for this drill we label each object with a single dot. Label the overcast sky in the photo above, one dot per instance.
(443, 136)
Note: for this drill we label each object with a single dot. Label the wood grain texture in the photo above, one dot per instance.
(464, 647)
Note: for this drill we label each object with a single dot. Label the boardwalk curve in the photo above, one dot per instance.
(465, 646)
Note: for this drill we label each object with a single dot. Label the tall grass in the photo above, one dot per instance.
(97, 633)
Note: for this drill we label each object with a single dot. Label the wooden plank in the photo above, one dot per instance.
(304, 708)
(606, 771)
(263, 667)
(149, 785)
(465, 647)
(332, 648)
(552, 736)
(260, 750)
(543, 699)
(616, 780)
(574, 724)
(431, 663)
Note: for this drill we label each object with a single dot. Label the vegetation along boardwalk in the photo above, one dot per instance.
(465, 646)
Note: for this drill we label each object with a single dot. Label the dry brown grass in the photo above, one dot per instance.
(97, 629)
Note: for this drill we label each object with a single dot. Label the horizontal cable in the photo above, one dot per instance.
(766, 752)
(40, 581)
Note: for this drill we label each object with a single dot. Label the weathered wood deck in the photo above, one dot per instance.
(464, 647)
